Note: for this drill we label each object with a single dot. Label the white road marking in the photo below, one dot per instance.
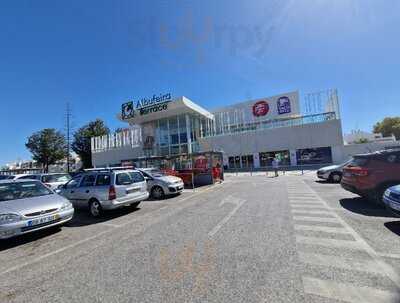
(311, 212)
(230, 200)
(333, 230)
(348, 244)
(340, 262)
(78, 243)
(308, 206)
(347, 293)
(392, 256)
(316, 219)
(110, 224)
(390, 272)
(306, 203)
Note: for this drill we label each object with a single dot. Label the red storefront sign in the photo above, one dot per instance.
(261, 108)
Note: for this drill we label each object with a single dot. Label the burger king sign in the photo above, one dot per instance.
(260, 108)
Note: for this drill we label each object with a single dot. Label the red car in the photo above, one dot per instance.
(369, 175)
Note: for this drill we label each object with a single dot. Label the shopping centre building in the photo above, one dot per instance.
(296, 130)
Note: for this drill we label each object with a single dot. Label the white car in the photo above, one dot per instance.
(53, 181)
(159, 184)
(332, 173)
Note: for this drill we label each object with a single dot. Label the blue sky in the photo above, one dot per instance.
(97, 54)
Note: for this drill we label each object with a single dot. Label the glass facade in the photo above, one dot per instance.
(283, 157)
(173, 136)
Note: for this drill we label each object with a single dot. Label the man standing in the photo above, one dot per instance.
(275, 165)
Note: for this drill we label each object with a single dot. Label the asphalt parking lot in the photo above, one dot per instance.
(251, 239)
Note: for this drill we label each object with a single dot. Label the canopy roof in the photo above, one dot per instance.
(177, 106)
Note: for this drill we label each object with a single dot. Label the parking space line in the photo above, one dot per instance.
(108, 231)
(316, 219)
(348, 244)
(389, 271)
(325, 229)
(347, 293)
(340, 262)
(311, 212)
(226, 218)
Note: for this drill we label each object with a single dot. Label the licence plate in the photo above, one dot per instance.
(395, 206)
(42, 220)
(346, 174)
(179, 188)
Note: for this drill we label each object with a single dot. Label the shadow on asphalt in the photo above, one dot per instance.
(394, 227)
(27, 238)
(364, 207)
(326, 182)
(150, 199)
(82, 216)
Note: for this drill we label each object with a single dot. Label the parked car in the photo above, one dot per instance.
(332, 173)
(369, 175)
(28, 205)
(104, 189)
(391, 198)
(159, 184)
(53, 180)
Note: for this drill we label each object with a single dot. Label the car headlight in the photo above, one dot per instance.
(66, 205)
(9, 218)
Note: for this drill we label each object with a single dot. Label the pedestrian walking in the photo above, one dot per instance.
(275, 165)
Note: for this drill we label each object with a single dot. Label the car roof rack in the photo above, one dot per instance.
(108, 169)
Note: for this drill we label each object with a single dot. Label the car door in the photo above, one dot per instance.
(126, 188)
(69, 189)
(86, 189)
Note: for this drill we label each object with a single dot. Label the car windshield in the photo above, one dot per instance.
(22, 190)
(156, 173)
(56, 178)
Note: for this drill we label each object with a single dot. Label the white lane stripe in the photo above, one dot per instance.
(333, 230)
(339, 262)
(311, 212)
(346, 292)
(308, 206)
(108, 231)
(226, 219)
(388, 269)
(316, 219)
(306, 202)
(392, 256)
(329, 242)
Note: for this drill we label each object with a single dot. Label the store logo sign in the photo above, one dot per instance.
(284, 106)
(127, 110)
(261, 108)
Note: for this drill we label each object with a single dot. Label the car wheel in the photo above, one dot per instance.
(95, 208)
(335, 177)
(157, 192)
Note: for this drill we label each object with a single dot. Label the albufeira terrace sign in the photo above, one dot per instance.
(145, 106)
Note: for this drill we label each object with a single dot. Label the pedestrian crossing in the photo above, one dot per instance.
(312, 217)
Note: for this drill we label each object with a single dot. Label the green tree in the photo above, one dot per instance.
(81, 141)
(361, 141)
(47, 147)
(388, 126)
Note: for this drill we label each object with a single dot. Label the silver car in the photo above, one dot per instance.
(104, 189)
(332, 173)
(160, 184)
(28, 205)
(53, 180)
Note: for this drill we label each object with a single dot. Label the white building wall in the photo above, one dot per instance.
(115, 156)
(324, 134)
